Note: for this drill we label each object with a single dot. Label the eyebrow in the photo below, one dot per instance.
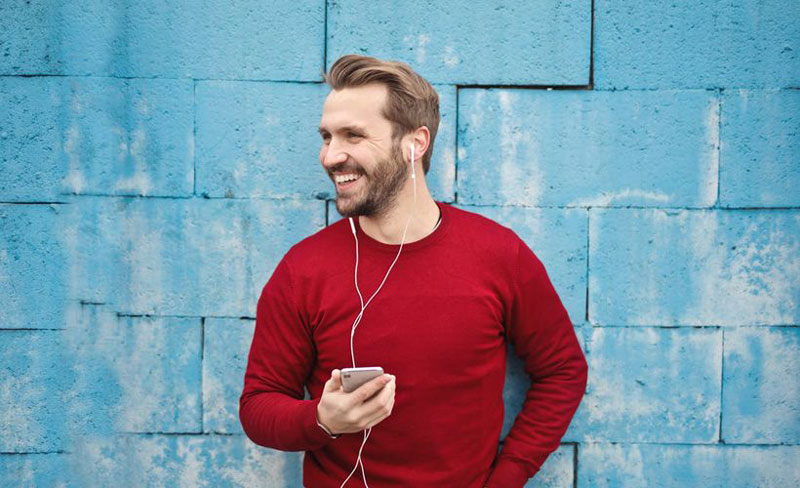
(345, 128)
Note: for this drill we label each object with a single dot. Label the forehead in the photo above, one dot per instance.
(360, 106)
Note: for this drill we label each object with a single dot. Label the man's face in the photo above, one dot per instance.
(357, 140)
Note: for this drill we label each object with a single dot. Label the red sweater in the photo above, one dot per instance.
(440, 325)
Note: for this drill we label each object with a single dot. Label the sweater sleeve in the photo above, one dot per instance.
(272, 410)
(541, 332)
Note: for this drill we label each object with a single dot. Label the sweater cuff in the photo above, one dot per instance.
(314, 434)
(507, 473)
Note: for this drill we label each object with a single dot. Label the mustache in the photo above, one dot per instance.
(339, 171)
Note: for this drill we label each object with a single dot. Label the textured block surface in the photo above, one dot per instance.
(690, 44)
(515, 42)
(667, 391)
(95, 136)
(156, 460)
(29, 251)
(584, 148)
(761, 392)
(658, 465)
(192, 257)
(694, 267)
(260, 140)
(132, 374)
(226, 346)
(33, 391)
(760, 149)
(189, 39)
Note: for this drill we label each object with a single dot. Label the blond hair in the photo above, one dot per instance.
(411, 103)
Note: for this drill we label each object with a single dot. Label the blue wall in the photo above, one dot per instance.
(157, 159)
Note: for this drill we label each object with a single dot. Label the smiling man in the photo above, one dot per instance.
(450, 289)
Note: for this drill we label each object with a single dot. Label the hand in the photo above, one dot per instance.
(365, 407)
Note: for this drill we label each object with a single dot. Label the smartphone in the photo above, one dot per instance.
(352, 378)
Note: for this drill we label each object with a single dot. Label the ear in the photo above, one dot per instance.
(421, 139)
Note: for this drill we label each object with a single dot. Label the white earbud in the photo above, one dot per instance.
(413, 169)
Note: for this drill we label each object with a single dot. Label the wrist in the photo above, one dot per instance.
(323, 427)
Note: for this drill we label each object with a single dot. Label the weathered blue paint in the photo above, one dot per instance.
(662, 465)
(181, 142)
(226, 345)
(761, 391)
(585, 148)
(98, 136)
(282, 40)
(691, 44)
(694, 267)
(517, 42)
(760, 148)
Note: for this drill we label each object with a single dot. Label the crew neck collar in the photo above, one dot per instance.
(433, 237)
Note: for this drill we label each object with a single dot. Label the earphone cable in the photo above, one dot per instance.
(368, 431)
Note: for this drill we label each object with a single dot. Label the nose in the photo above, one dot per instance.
(332, 154)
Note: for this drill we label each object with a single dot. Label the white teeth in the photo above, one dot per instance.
(344, 178)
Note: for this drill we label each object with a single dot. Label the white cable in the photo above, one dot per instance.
(368, 431)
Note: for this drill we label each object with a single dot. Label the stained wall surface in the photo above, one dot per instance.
(157, 159)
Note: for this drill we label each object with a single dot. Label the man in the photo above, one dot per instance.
(462, 286)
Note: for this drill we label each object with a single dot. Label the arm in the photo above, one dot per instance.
(539, 328)
(272, 410)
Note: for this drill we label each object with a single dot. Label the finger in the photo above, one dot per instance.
(380, 415)
(334, 383)
(379, 402)
(365, 391)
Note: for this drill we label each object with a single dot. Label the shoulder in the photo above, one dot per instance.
(477, 227)
(320, 248)
(469, 220)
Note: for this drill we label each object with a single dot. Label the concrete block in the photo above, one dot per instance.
(226, 347)
(156, 460)
(452, 42)
(659, 465)
(34, 470)
(30, 258)
(132, 374)
(650, 385)
(689, 44)
(32, 162)
(537, 147)
(694, 267)
(95, 136)
(33, 393)
(260, 140)
(760, 149)
(199, 257)
(151, 39)
(761, 394)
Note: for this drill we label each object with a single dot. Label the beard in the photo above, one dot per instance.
(378, 190)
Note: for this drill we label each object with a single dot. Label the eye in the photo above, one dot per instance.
(353, 134)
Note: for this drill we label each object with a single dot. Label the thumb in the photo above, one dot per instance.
(335, 381)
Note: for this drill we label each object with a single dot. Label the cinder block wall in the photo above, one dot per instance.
(157, 159)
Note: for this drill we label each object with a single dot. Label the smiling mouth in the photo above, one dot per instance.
(344, 185)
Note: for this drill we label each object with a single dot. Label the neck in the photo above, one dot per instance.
(388, 226)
